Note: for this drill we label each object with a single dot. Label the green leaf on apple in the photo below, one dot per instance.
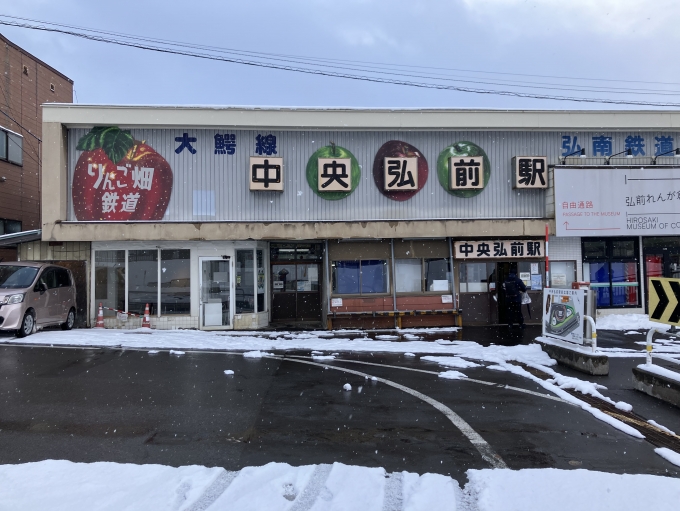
(90, 141)
(332, 151)
(116, 143)
(461, 149)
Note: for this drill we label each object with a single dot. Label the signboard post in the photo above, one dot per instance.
(563, 314)
(664, 300)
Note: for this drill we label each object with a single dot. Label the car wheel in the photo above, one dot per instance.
(27, 325)
(70, 320)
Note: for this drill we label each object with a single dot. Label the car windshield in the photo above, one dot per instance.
(17, 277)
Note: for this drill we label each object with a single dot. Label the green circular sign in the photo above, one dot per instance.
(461, 150)
(351, 178)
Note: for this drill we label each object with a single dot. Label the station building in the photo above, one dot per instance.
(248, 218)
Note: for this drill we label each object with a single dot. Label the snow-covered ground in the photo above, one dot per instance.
(62, 485)
(628, 322)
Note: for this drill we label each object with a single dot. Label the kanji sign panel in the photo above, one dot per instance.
(617, 202)
(563, 314)
(664, 300)
(401, 174)
(499, 249)
(266, 174)
(335, 174)
(530, 172)
(466, 173)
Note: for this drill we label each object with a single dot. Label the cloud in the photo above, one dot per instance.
(615, 18)
(365, 37)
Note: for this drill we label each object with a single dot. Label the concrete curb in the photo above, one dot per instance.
(657, 386)
(595, 364)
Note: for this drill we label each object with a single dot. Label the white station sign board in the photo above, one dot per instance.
(617, 202)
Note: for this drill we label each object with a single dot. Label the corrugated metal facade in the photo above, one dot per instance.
(227, 175)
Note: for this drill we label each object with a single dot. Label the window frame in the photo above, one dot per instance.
(388, 279)
(608, 259)
(17, 139)
(126, 267)
(423, 276)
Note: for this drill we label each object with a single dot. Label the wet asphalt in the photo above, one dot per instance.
(130, 406)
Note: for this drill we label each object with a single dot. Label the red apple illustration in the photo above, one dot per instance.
(118, 178)
(398, 149)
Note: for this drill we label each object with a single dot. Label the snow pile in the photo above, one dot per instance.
(627, 322)
(323, 357)
(456, 362)
(153, 352)
(347, 387)
(624, 406)
(177, 353)
(62, 485)
(228, 372)
(670, 456)
(452, 375)
(663, 428)
(255, 354)
(407, 354)
(569, 490)
(661, 371)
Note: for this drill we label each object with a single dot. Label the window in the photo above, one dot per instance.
(9, 226)
(63, 277)
(613, 271)
(16, 277)
(422, 275)
(144, 270)
(109, 280)
(360, 277)
(143, 281)
(49, 278)
(409, 275)
(475, 277)
(245, 282)
(11, 147)
(437, 275)
(175, 282)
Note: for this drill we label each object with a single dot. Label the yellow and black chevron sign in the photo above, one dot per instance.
(664, 300)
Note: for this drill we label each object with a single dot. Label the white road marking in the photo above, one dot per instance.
(436, 373)
(487, 452)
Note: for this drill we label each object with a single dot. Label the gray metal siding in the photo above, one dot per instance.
(227, 175)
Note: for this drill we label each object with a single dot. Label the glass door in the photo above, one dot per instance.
(215, 295)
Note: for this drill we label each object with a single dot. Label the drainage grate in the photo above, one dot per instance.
(654, 435)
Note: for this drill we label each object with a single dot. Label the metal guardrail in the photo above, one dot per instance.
(650, 335)
(593, 332)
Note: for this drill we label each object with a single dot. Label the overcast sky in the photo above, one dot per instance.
(603, 39)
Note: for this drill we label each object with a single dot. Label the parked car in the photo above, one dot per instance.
(35, 295)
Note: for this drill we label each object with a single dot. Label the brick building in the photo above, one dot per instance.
(26, 83)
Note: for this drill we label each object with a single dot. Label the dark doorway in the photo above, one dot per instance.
(79, 271)
(296, 276)
(502, 272)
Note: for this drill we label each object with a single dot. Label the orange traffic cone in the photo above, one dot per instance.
(100, 317)
(146, 322)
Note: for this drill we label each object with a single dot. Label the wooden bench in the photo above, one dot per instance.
(457, 313)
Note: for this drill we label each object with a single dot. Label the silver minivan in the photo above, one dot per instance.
(35, 295)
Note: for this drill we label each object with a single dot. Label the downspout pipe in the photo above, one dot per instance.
(394, 283)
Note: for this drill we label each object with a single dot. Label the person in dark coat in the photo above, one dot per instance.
(514, 288)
